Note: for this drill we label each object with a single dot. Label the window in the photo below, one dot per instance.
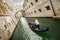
(23, 11)
(31, 3)
(29, 13)
(48, 7)
(34, 11)
(39, 10)
(36, 0)
(27, 0)
(29, 6)
(0, 37)
(5, 26)
(0, 10)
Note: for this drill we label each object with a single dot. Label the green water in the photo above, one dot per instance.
(52, 34)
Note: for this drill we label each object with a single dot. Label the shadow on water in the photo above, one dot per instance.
(45, 35)
(42, 34)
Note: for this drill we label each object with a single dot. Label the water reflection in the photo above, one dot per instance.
(30, 35)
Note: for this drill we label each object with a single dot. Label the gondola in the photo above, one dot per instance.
(42, 29)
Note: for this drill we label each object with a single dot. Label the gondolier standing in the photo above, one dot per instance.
(37, 24)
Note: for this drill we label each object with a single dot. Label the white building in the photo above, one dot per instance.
(41, 8)
(9, 17)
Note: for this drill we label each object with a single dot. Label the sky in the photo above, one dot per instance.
(17, 2)
(14, 3)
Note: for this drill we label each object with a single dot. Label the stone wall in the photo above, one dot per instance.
(9, 17)
(38, 8)
(4, 9)
(56, 6)
(7, 25)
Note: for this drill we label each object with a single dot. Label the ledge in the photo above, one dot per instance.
(56, 17)
(4, 14)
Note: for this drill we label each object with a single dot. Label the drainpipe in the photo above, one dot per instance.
(52, 8)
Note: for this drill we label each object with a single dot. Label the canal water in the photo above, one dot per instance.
(23, 32)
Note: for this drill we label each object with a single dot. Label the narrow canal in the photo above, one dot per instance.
(25, 33)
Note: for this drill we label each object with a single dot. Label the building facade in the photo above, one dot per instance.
(9, 18)
(41, 8)
(4, 9)
(56, 7)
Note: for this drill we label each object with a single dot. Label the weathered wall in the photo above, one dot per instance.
(7, 25)
(3, 8)
(38, 8)
(9, 17)
(56, 6)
